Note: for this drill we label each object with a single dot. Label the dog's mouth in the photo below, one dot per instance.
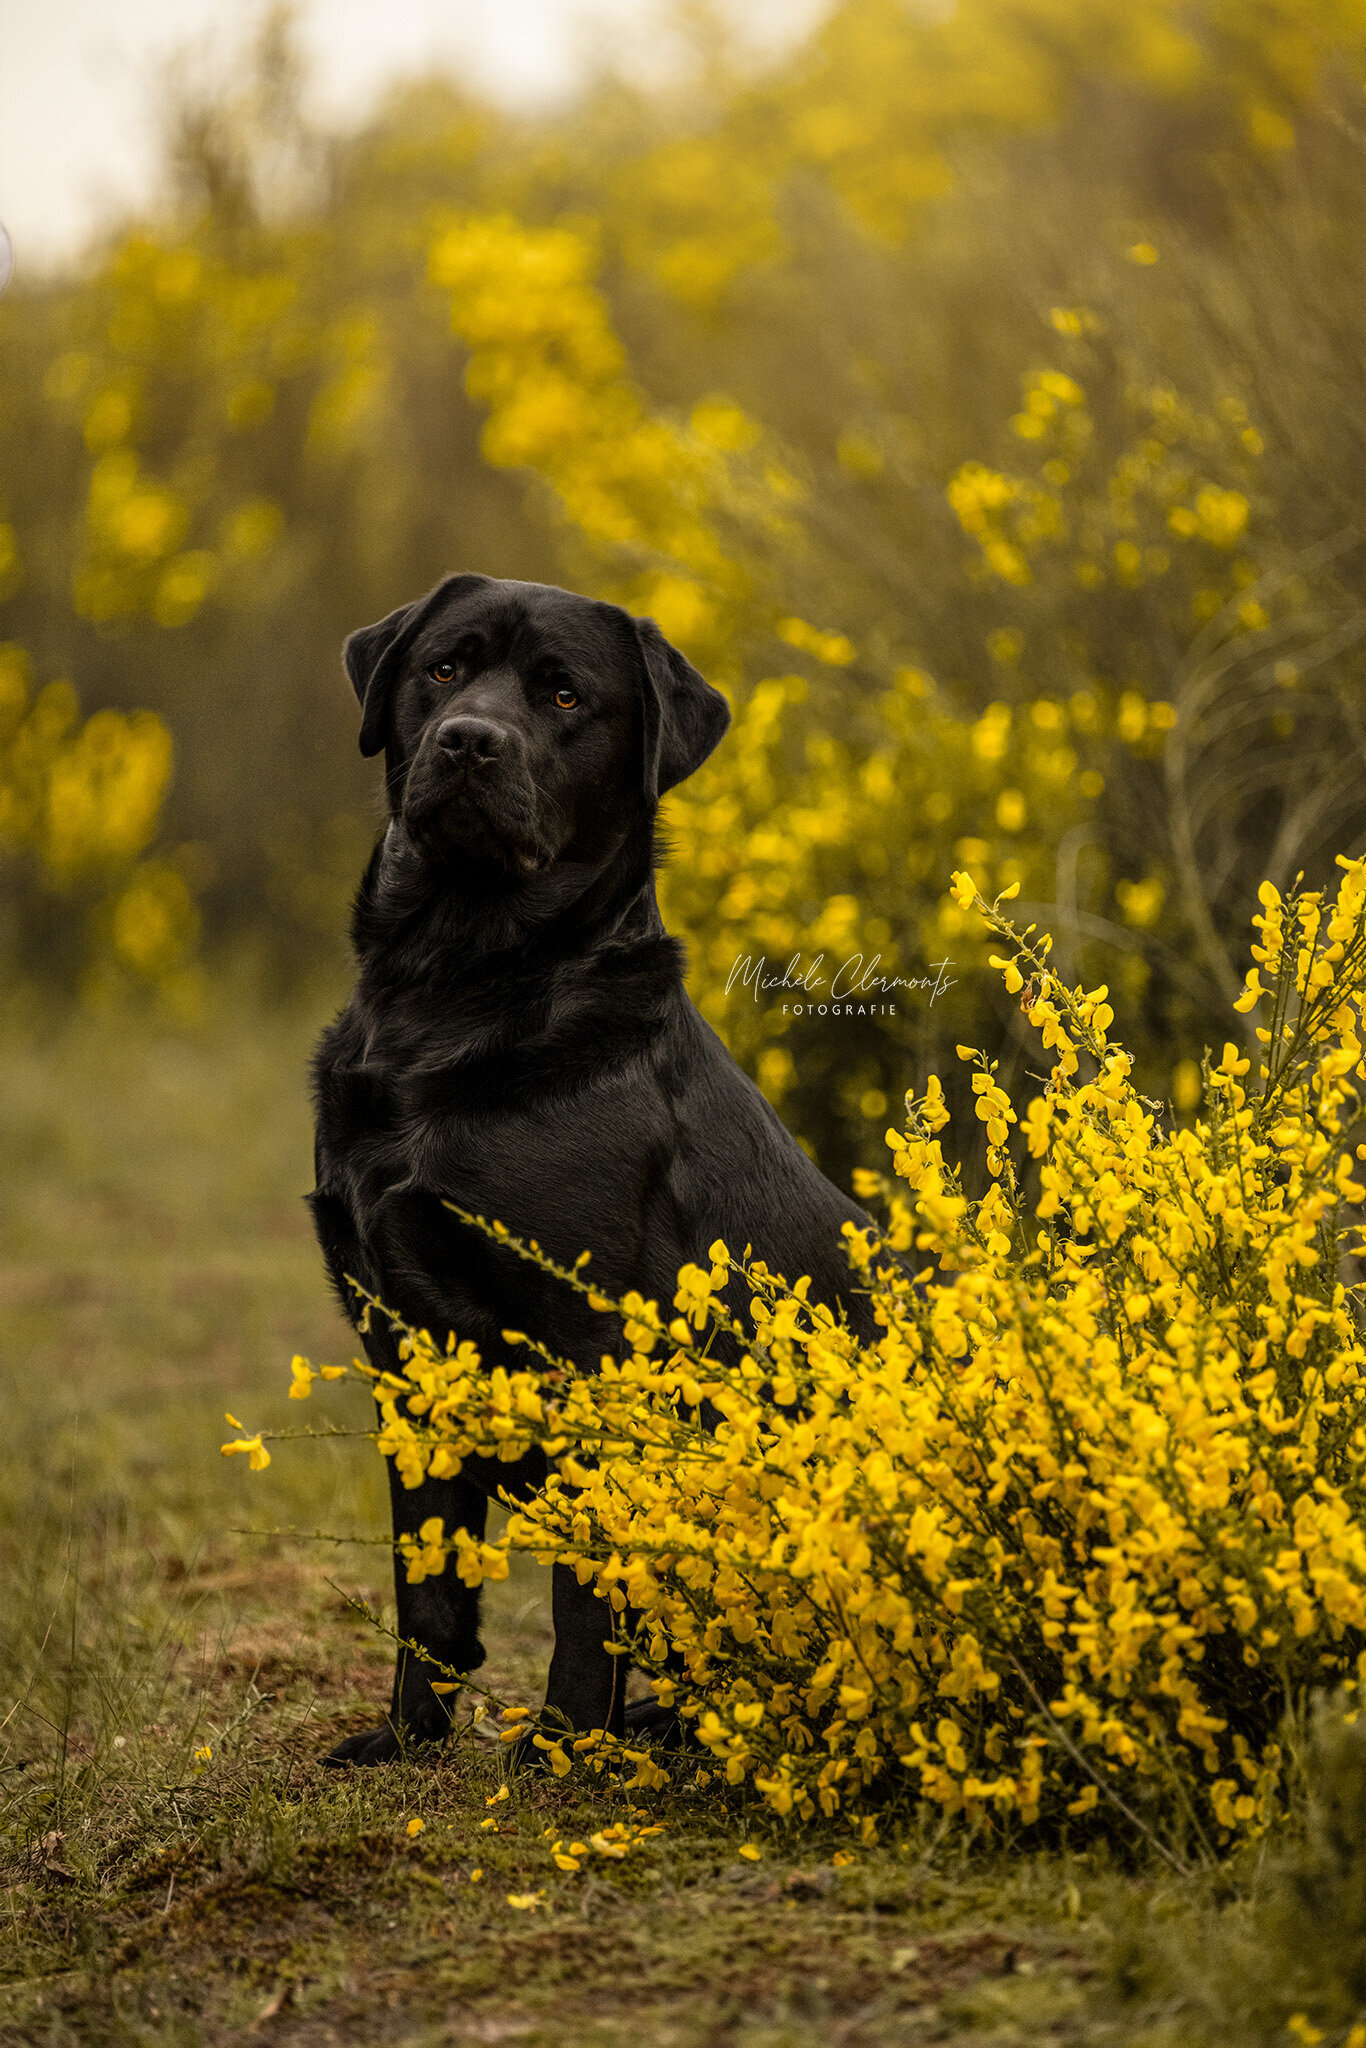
(493, 822)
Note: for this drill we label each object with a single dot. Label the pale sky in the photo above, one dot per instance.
(78, 77)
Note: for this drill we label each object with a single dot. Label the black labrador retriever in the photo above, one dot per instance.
(520, 1042)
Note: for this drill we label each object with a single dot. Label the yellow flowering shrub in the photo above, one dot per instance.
(640, 488)
(546, 361)
(80, 803)
(174, 329)
(1162, 511)
(823, 843)
(1082, 1524)
(81, 796)
(884, 92)
(821, 832)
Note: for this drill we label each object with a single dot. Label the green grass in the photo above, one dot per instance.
(156, 1268)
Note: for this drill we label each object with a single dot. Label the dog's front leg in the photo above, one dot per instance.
(587, 1684)
(441, 1614)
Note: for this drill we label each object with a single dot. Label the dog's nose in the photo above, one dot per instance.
(470, 739)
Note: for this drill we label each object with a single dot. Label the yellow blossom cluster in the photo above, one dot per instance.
(826, 849)
(156, 545)
(821, 831)
(1113, 521)
(884, 89)
(82, 800)
(546, 361)
(82, 796)
(1074, 1532)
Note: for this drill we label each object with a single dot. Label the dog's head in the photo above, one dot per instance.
(522, 724)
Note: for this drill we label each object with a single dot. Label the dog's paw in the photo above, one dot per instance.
(524, 1759)
(381, 1745)
(648, 1721)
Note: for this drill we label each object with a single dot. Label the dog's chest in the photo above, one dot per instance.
(385, 1127)
(564, 1147)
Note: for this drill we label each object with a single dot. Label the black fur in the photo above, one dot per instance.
(519, 1041)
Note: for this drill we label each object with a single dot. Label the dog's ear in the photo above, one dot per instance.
(369, 657)
(372, 655)
(685, 718)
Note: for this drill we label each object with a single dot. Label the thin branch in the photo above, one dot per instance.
(1065, 1739)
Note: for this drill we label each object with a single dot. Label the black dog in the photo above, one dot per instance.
(520, 1042)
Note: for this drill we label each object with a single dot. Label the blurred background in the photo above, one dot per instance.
(976, 393)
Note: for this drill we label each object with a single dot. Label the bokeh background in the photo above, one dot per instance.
(975, 393)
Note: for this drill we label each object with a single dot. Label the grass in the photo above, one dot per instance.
(157, 1267)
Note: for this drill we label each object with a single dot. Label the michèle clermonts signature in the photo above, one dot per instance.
(855, 989)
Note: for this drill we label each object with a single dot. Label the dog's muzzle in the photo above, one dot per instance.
(470, 791)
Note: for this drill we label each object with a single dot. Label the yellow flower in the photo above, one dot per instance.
(416, 1825)
(1252, 994)
(257, 1456)
(526, 1902)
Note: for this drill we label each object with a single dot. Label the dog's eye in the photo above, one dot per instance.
(442, 671)
(566, 698)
